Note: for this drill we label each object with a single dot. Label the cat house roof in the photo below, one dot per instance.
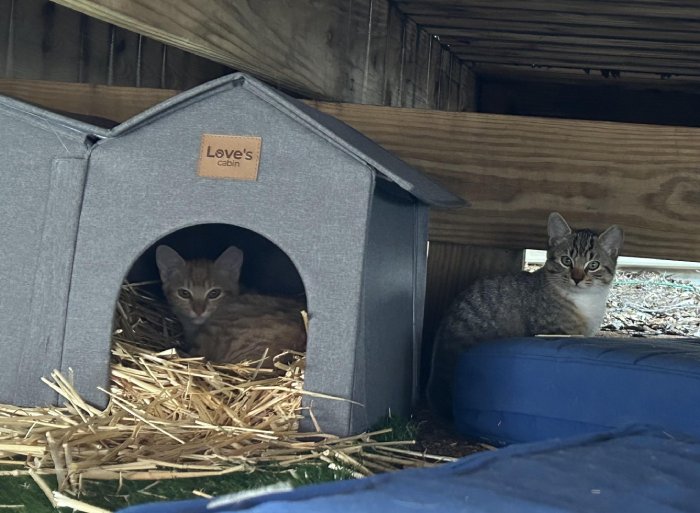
(332, 130)
(68, 131)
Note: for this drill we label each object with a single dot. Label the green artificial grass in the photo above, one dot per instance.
(23, 493)
(401, 429)
(110, 495)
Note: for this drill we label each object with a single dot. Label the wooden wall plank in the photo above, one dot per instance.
(6, 37)
(351, 35)
(467, 90)
(51, 55)
(451, 268)
(111, 103)
(584, 43)
(442, 95)
(95, 42)
(123, 57)
(630, 81)
(451, 16)
(410, 64)
(654, 9)
(515, 170)
(453, 264)
(183, 70)
(577, 59)
(431, 73)
(394, 59)
(434, 64)
(527, 48)
(586, 28)
(25, 58)
(149, 69)
(59, 53)
(453, 84)
(374, 60)
(421, 93)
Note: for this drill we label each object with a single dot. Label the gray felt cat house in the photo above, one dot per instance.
(84, 204)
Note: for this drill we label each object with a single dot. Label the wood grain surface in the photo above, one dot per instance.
(111, 103)
(350, 50)
(514, 170)
(646, 36)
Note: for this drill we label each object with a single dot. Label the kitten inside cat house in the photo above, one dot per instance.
(237, 296)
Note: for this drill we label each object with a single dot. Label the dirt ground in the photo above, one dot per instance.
(652, 304)
(439, 437)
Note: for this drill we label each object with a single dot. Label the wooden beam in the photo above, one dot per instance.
(514, 170)
(581, 27)
(111, 103)
(323, 50)
(573, 59)
(548, 48)
(614, 8)
(260, 36)
(471, 36)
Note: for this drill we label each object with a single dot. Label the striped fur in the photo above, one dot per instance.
(219, 322)
(566, 296)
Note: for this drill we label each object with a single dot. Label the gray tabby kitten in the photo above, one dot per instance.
(565, 297)
(219, 322)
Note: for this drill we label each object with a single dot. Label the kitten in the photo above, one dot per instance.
(566, 296)
(219, 322)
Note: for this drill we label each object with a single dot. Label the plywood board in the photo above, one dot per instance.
(515, 170)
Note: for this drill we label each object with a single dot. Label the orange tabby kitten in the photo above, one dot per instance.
(219, 322)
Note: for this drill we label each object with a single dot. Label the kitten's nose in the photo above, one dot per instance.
(198, 308)
(577, 275)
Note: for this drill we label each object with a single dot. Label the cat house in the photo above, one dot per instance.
(351, 217)
(43, 165)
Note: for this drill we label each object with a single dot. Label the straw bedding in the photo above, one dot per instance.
(172, 416)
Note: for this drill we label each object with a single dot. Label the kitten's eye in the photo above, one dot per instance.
(593, 265)
(184, 293)
(214, 293)
(565, 260)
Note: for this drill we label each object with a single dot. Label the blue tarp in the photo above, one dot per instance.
(640, 470)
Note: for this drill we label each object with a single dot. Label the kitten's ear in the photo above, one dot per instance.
(557, 228)
(230, 262)
(611, 240)
(168, 261)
